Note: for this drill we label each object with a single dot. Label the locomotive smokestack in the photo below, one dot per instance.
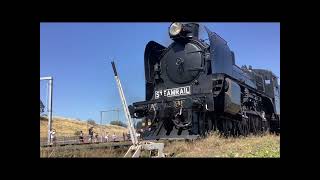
(192, 30)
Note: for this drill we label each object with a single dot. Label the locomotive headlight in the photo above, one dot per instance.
(175, 29)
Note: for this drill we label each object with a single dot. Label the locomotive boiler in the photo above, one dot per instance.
(194, 87)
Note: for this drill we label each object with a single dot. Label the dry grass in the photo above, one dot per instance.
(215, 146)
(67, 127)
(81, 153)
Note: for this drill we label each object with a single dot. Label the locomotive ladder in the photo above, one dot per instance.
(137, 147)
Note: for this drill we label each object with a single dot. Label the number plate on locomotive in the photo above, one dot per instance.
(173, 92)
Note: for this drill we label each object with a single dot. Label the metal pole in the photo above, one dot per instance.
(101, 125)
(118, 113)
(125, 107)
(100, 117)
(50, 109)
(101, 113)
(49, 104)
(45, 78)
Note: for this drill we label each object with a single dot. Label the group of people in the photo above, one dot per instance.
(106, 137)
(93, 137)
(127, 137)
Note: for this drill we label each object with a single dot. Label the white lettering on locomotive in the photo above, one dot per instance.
(156, 95)
(173, 92)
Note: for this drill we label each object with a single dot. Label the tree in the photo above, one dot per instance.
(91, 122)
(77, 133)
(118, 123)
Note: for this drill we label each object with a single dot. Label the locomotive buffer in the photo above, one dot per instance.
(137, 147)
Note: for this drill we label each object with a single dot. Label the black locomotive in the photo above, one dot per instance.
(193, 87)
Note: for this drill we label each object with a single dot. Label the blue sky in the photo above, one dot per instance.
(78, 56)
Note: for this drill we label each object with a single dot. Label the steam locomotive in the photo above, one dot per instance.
(194, 87)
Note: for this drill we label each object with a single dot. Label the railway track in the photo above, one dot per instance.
(113, 145)
(97, 145)
(74, 140)
(74, 143)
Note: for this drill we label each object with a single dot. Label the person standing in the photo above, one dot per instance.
(81, 137)
(53, 137)
(90, 134)
(114, 137)
(96, 137)
(106, 137)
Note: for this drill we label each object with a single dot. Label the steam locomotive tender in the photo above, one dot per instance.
(194, 87)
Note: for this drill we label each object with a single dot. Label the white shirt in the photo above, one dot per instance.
(53, 134)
